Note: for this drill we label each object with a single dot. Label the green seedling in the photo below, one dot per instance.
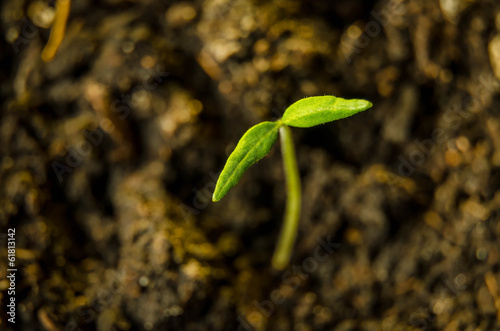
(257, 142)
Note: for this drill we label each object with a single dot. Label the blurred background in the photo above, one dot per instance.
(116, 122)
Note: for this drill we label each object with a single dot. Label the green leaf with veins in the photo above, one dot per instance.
(313, 111)
(252, 147)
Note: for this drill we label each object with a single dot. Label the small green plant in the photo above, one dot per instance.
(258, 140)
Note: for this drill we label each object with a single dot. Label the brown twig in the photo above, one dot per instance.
(58, 28)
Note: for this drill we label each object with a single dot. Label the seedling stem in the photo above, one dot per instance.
(288, 234)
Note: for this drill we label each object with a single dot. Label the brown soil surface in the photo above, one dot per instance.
(109, 155)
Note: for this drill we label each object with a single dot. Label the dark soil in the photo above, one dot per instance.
(110, 152)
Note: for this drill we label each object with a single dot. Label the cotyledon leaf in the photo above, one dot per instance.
(253, 146)
(312, 111)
